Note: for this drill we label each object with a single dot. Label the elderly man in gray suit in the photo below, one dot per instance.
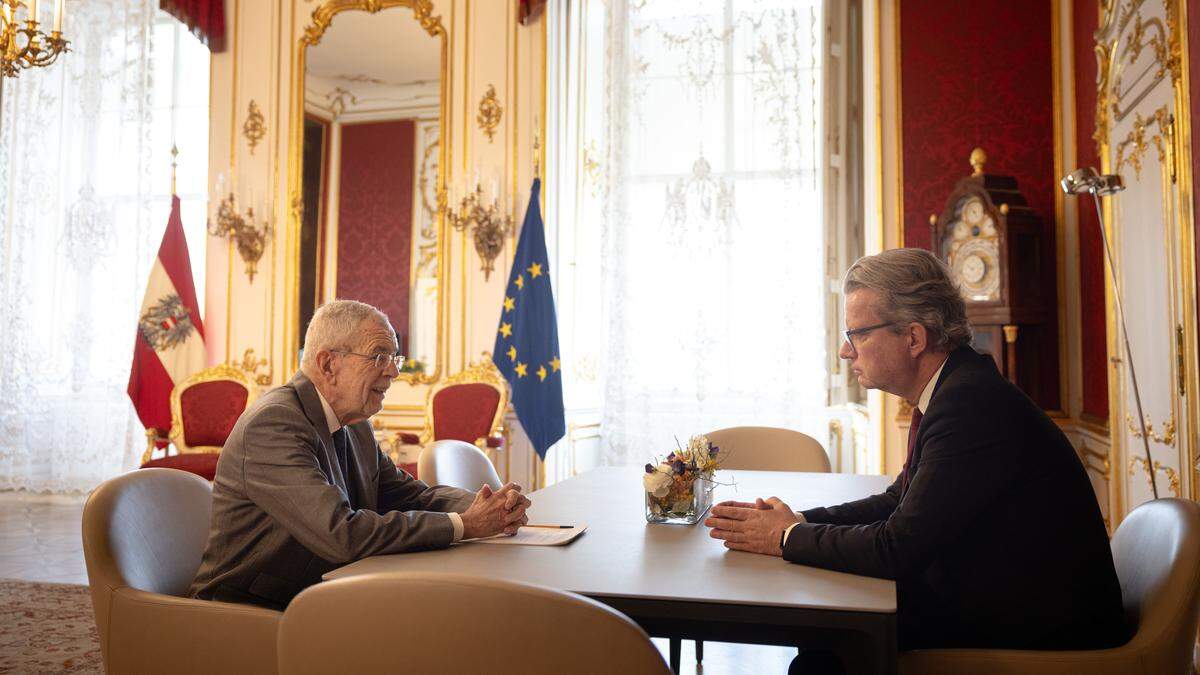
(302, 487)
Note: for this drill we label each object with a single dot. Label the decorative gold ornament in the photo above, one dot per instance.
(978, 159)
(255, 128)
(250, 365)
(1167, 437)
(1135, 145)
(1170, 473)
(321, 16)
(28, 47)
(488, 226)
(250, 237)
(1164, 140)
(489, 113)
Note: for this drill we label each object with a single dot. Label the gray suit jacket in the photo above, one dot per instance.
(285, 511)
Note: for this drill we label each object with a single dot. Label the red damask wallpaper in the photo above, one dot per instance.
(375, 217)
(978, 74)
(1086, 19)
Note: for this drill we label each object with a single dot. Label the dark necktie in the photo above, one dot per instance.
(912, 444)
(339, 447)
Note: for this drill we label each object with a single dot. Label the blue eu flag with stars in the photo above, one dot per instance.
(527, 341)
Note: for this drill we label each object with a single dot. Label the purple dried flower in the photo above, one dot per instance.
(649, 468)
(677, 465)
(713, 450)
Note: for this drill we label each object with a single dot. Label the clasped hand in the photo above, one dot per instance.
(495, 511)
(756, 527)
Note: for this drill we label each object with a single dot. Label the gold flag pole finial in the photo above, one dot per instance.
(174, 165)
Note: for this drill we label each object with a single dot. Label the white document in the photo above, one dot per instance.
(534, 536)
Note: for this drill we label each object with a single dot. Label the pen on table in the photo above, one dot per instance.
(554, 527)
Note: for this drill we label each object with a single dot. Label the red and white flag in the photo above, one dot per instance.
(170, 336)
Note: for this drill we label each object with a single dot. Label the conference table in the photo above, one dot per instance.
(676, 581)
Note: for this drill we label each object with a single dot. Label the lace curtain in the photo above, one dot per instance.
(713, 256)
(82, 209)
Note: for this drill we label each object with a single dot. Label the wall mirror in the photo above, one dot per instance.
(370, 169)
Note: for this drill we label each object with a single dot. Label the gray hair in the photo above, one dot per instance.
(914, 287)
(336, 325)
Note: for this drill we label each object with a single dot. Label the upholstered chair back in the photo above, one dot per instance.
(769, 449)
(144, 534)
(461, 624)
(1157, 553)
(464, 412)
(457, 464)
(208, 411)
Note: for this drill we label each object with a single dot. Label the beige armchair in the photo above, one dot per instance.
(457, 624)
(457, 464)
(1157, 553)
(143, 536)
(769, 449)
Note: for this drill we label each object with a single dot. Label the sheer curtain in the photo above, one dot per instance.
(84, 185)
(713, 252)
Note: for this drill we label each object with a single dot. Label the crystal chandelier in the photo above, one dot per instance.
(22, 43)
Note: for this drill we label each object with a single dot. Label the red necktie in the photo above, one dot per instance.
(912, 443)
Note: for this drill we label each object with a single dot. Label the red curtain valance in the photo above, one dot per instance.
(205, 18)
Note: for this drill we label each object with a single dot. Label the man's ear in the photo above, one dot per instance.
(918, 339)
(325, 365)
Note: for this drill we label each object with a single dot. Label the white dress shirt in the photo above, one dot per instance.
(922, 405)
(335, 424)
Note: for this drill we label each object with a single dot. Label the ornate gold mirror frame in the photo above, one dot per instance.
(322, 16)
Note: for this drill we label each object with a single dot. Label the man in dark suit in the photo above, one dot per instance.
(302, 487)
(992, 531)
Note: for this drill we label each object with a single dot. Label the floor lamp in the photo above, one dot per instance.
(1086, 180)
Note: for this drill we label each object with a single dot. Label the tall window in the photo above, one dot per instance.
(696, 226)
(84, 186)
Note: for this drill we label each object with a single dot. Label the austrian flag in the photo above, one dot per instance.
(170, 337)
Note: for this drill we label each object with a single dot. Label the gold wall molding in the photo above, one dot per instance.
(255, 127)
(490, 113)
(1172, 476)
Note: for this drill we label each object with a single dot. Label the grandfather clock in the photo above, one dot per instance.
(993, 244)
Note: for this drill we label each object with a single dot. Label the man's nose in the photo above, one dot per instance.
(846, 351)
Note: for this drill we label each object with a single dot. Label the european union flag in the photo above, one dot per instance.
(527, 341)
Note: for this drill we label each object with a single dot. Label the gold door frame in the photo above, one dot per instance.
(322, 16)
(1170, 51)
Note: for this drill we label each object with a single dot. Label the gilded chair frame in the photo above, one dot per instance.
(482, 371)
(218, 373)
(322, 17)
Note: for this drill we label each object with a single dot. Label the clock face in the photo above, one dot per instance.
(974, 268)
(976, 264)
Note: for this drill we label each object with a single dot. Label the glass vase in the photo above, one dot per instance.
(685, 503)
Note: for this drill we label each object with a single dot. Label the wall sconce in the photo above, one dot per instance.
(243, 231)
(488, 225)
(28, 47)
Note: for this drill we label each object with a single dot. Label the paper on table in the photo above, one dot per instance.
(534, 536)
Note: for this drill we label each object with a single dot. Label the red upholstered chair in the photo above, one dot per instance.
(204, 408)
(467, 406)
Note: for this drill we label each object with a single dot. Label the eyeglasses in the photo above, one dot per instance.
(380, 360)
(848, 334)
